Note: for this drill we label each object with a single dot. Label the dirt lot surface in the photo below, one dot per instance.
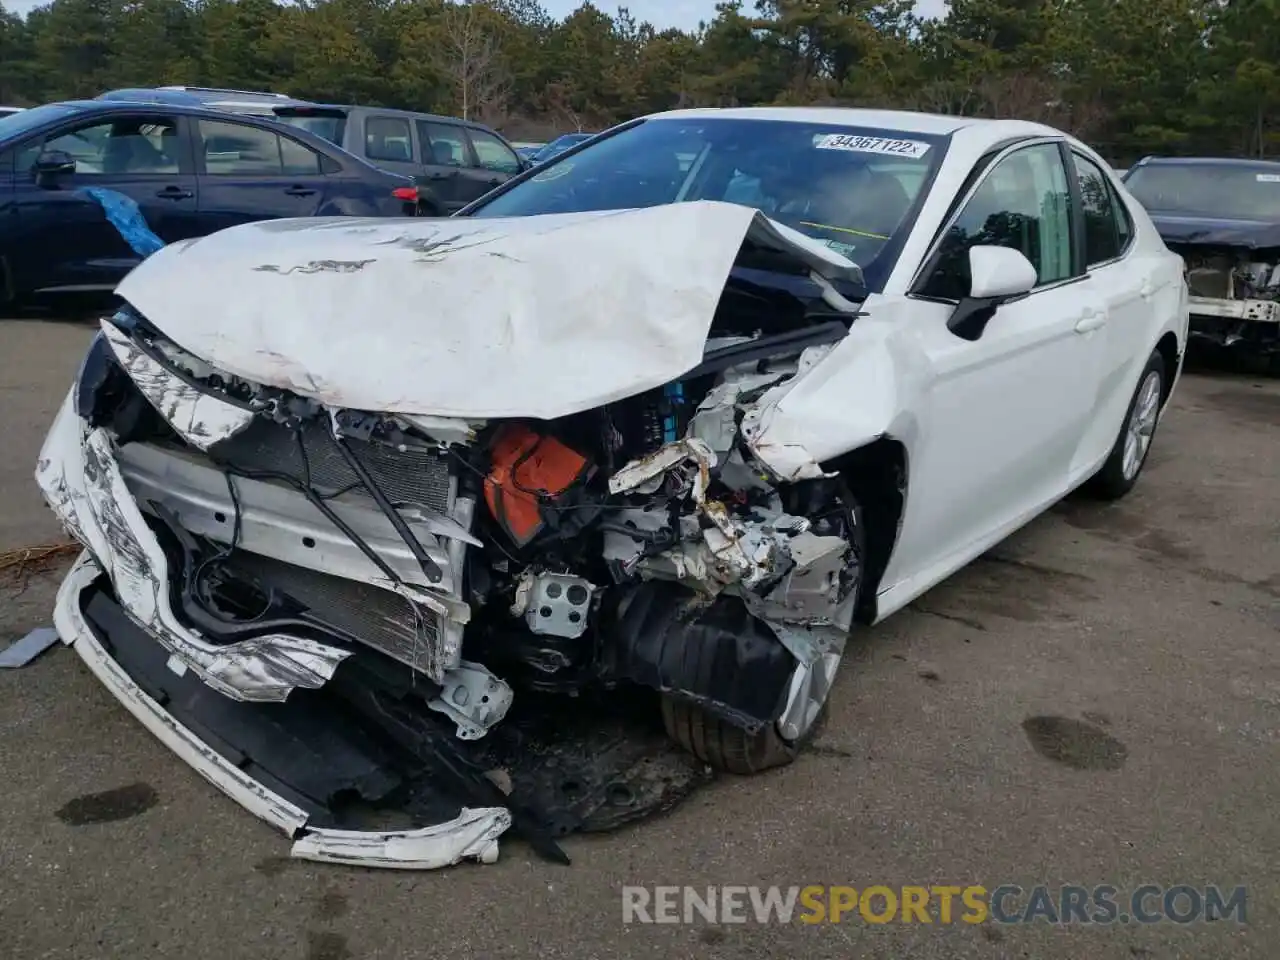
(1097, 701)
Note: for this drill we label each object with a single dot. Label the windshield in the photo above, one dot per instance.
(1215, 191)
(331, 126)
(16, 124)
(856, 190)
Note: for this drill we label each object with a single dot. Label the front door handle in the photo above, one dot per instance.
(299, 191)
(1093, 320)
(174, 193)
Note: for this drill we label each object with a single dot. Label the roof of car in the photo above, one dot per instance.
(930, 124)
(383, 111)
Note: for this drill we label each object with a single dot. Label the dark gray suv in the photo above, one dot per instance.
(454, 161)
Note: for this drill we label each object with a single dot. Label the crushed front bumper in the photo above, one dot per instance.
(310, 737)
(82, 481)
(283, 765)
(117, 650)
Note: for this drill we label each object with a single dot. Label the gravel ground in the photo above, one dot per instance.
(1096, 701)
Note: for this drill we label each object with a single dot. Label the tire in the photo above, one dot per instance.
(726, 748)
(731, 749)
(1118, 474)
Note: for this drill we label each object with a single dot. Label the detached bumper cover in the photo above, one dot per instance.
(472, 834)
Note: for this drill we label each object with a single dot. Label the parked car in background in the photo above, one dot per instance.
(1222, 216)
(454, 161)
(191, 171)
(559, 145)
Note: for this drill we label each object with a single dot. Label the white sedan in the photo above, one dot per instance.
(375, 508)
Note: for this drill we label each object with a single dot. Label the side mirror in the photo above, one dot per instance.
(997, 275)
(52, 164)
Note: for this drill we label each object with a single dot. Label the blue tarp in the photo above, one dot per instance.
(127, 218)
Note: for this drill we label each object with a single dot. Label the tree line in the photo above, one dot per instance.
(1131, 76)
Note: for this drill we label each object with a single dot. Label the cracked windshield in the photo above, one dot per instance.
(854, 190)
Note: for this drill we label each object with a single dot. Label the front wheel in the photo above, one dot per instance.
(722, 746)
(1121, 470)
(733, 750)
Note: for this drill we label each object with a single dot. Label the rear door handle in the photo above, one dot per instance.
(1147, 290)
(174, 193)
(1093, 320)
(299, 191)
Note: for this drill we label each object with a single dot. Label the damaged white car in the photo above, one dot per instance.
(407, 532)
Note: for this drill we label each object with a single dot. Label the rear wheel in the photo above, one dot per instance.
(1121, 470)
(731, 749)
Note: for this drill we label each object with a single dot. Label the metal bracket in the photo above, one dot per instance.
(473, 698)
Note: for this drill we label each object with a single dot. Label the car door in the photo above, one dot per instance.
(250, 172)
(8, 225)
(1001, 416)
(62, 240)
(496, 163)
(446, 156)
(1128, 282)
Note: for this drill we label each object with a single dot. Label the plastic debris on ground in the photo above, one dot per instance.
(22, 652)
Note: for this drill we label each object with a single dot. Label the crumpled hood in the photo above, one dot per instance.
(1215, 231)
(479, 318)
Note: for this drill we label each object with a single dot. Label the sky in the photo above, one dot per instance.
(684, 14)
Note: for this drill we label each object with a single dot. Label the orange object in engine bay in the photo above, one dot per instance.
(526, 467)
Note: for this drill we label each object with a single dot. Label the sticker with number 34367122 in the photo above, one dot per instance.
(860, 144)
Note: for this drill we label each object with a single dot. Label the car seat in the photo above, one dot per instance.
(131, 153)
(442, 153)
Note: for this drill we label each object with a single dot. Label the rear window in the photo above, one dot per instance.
(331, 125)
(1215, 191)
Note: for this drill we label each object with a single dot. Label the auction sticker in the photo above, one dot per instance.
(897, 148)
(1269, 178)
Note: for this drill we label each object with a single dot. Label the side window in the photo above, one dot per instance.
(121, 146)
(444, 144)
(1022, 203)
(1101, 231)
(387, 138)
(493, 154)
(299, 160)
(237, 150)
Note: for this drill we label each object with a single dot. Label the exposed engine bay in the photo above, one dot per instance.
(1234, 295)
(449, 617)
